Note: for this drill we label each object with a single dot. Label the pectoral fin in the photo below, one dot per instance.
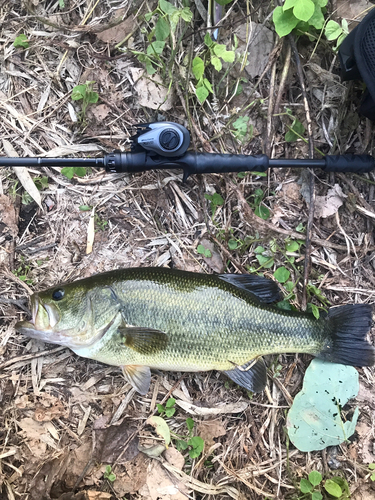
(139, 377)
(251, 376)
(143, 340)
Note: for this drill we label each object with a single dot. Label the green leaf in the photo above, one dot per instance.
(284, 22)
(282, 274)
(208, 85)
(92, 97)
(317, 19)
(148, 16)
(303, 9)
(232, 244)
(316, 495)
(198, 67)
(315, 477)
(68, 172)
(21, 41)
(186, 14)
(160, 408)
(292, 246)
(151, 70)
(190, 424)
(262, 212)
(332, 30)
(207, 40)
(161, 428)
(284, 305)
(371, 466)
(216, 63)
(78, 92)
(305, 486)
(289, 285)
(171, 402)
(197, 445)
(296, 130)
(333, 488)
(202, 93)
(167, 7)
(155, 48)
(181, 445)
(265, 262)
(315, 311)
(162, 29)
(259, 249)
(314, 421)
(289, 4)
(300, 228)
(80, 171)
(169, 412)
(228, 56)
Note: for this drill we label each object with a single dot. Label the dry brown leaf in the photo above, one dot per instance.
(98, 495)
(100, 112)
(328, 205)
(133, 478)
(160, 487)
(109, 442)
(151, 92)
(174, 457)
(119, 32)
(7, 216)
(352, 9)
(215, 261)
(210, 429)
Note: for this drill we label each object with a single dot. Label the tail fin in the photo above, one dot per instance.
(349, 327)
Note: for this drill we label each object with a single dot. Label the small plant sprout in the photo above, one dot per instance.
(333, 31)
(169, 409)
(216, 200)
(70, 172)
(21, 41)
(204, 251)
(86, 94)
(299, 15)
(372, 468)
(108, 474)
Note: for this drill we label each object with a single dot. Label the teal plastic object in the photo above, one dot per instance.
(314, 420)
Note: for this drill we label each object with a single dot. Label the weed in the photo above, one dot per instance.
(23, 271)
(70, 172)
(257, 204)
(204, 251)
(301, 15)
(314, 489)
(100, 223)
(87, 95)
(242, 131)
(372, 468)
(333, 31)
(108, 474)
(21, 41)
(216, 200)
(169, 409)
(195, 444)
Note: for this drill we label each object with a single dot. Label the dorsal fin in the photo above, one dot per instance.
(264, 289)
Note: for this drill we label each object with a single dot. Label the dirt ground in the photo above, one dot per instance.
(65, 419)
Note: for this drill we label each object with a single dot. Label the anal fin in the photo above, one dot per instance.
(252, 375)
(139, 377)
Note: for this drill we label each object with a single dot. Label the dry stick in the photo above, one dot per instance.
(28, 357)
(311, 176)
(283, 78)
(228, 255)
(252, 219)
(271, 102)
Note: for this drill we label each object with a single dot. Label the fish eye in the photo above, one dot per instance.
(58, 294)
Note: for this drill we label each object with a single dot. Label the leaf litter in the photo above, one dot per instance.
(56, 413)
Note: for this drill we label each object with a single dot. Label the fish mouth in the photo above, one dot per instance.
(44, 318)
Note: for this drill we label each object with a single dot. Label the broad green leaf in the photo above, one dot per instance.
(80, 171)
(321, 3)
(289, 285)
(190, 424)
(305, 486)
(208, 85)
(314, 421)
(171, 402)
(259, 249)
(150, 68)
(148, 16)
(160, 408)
(155, 48)
(315, 478)
(332, 30)
(371, 466)
(216, 63)
(289, 4)
(161, 428)
(78, 92)
(315, 311)
(92, 97)
(284, 22)
(181, 445)
(265, 262)
(197, 67)
(262, 212)
(292, 246)
(232, 244)
(219, 49)
(317, 19)
(282, 274)
(316, 495)
(303, 9)
(167, 7)
(297, 129)
(284, 304)
(202, 94)
(197, 444)
(333, 488)
(169, 412)
(228, 56)
(68, 172)
(21, 41)
(207, 40)
(186, 14)
(162, 29)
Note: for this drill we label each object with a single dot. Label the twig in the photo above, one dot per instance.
(311, 176)
(28, 357)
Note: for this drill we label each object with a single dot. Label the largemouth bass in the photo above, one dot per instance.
(162, 318)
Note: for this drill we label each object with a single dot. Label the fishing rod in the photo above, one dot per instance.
(162, 145)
